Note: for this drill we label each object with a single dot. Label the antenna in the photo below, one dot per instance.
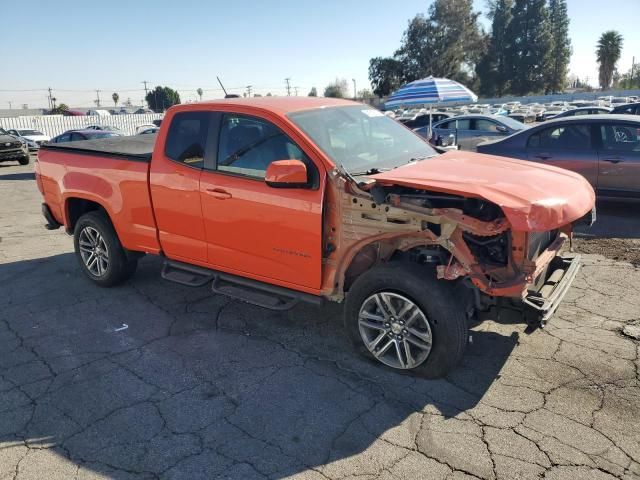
(223, 89)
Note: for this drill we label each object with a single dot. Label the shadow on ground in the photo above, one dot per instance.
(155, 380)
(615, 219)
(18, 176)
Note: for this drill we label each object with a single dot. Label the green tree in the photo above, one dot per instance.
(60, 109)
(199, 92)
(365, 94)
(448, 43)
(560, 52)
(115, 97)
(493, 70)
(385, 74)
(337, 89)
(269, 94)
(608, 52)
(529, 40)
(631, 79)
(161, 98)
(313, 92)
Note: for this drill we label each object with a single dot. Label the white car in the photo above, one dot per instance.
(31, 138)
(146, 126)
(148, 131)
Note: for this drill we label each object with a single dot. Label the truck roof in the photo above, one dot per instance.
(281, 105)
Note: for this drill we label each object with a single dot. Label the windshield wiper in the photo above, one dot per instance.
(417, 159)
(371, 171)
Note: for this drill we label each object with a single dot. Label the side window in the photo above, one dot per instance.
(76, 136)
(248, 145)
(65, 137)
(582, 112)
(485, 125)
(464, 124)
(562, 138)
(447, 125)
(620, 137)
(187, 138)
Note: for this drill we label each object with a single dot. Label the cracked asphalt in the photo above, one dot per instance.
(199, 386)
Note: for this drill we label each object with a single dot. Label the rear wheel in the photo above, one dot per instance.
(24, 160)
(99, 252)
(402, 316)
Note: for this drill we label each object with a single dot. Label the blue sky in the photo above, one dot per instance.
(76, 47)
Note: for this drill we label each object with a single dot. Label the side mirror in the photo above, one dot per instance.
(502, 129)
(286, 174)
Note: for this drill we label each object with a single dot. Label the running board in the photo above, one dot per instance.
(186, 274)
(250, 291)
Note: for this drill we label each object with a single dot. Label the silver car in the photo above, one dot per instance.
(467, 131)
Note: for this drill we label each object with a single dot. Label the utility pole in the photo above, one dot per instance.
(9, 102)
(296, 90)
(633, 64)
(50, 102)
(288, 86)
(355, 95)
(98, 98)
(144, 82)
(249, 91)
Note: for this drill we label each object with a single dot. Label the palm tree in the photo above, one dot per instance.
(199, 92)
(115, 97)
(608, 53)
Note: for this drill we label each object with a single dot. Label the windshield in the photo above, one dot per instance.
(101, 134)
(26, 133)
(513, 123)
(3, 132)
(360, 138)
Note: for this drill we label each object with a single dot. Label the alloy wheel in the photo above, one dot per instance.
(395, 330)
(93, 251)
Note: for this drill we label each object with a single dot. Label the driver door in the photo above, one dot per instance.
(252, 229)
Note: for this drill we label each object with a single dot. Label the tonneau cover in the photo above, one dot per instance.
(137, 147)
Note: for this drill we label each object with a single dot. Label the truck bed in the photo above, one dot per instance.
(110, 172)
(136, 148)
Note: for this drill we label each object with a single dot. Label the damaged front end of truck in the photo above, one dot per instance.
(489, 250)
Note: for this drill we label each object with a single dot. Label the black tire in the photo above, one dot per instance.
(119, 267)
(435, 298)
(24, 160)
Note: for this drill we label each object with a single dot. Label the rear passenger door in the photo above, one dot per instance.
(619, 154)
(175, 186)
(566, 145)
(252, 229)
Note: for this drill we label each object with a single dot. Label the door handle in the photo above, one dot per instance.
(218, 193)
(613, 159)
(542, 156)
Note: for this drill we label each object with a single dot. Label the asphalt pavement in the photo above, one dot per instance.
(153, 380)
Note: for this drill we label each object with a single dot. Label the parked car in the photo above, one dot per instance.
(523, 115)
(31, 138)
(467, 131)
(347, 204)
(149, 131)
(605, 149)
(76, 135)
(105, 128)
(422, 119)
(583, 111)
(98, 113)
(145, 126)
(627, 109)
(12, 149)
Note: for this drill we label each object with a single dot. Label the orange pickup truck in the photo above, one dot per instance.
(279, 200)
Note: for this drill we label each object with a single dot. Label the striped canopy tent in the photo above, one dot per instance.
(429, 91)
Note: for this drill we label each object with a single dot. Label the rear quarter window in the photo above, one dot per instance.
(187, 138)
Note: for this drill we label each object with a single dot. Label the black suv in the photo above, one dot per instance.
(11, 149)
(627, 108)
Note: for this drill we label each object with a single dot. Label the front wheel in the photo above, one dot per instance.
(402, 316)
(99, 252)
(24, 160)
